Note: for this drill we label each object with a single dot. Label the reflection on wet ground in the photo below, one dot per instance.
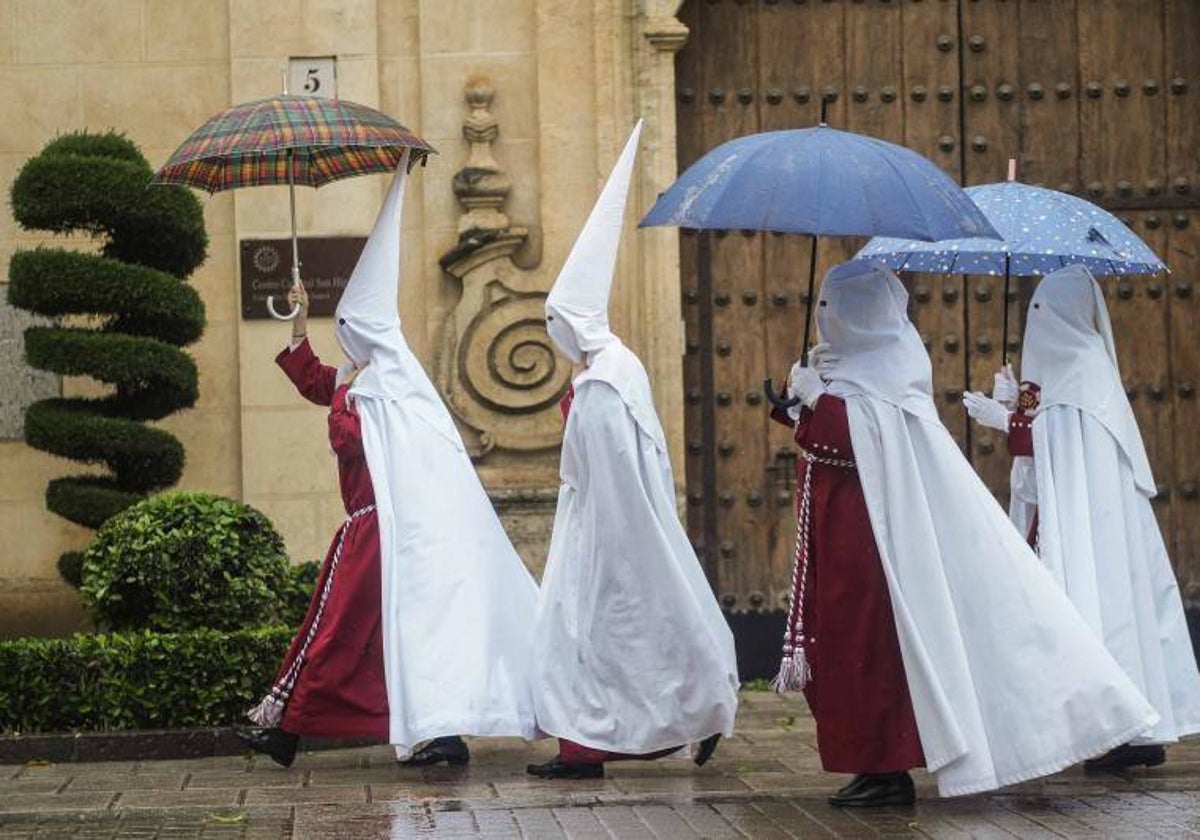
(763, 783)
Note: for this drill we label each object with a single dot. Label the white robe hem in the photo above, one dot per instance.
(1050, 767)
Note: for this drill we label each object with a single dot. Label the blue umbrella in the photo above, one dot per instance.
(1042, 230)
(821, 182)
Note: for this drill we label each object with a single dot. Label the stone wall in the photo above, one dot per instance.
(569, 79)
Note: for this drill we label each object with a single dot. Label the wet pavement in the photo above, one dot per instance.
(765, 782)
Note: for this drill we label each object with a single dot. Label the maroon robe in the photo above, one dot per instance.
(858, 692)
(1020, 438)
(332, 679)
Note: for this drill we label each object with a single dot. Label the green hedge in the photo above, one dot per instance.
(137, 680)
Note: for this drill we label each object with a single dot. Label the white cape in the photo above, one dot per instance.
(1098, 536)
(1007, 681)
(457, 601)
(1091, 484)
(632, 653)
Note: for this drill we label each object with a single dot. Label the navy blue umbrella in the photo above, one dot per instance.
(821, 182)
(1042, 230)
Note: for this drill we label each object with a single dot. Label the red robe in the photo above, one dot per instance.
(1020, 438)
(858, 692)
(332, 679)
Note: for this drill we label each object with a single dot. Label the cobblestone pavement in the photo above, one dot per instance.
(765, 782)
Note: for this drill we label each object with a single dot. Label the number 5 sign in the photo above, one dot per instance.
(313, 76)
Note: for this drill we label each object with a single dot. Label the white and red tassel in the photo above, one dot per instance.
(268, 713)
(794, 671)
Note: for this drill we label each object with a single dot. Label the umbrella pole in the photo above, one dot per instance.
(1007, 275)
(812, 275)
(290, 316)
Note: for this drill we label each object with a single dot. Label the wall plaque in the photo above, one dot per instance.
(325, 266)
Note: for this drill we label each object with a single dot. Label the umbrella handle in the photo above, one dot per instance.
(288, 316)
(778, 400)
(295, 313)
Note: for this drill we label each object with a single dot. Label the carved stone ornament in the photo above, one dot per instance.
(496, 365)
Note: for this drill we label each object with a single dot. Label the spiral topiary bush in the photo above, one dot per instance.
(185, 561)
(141, 313)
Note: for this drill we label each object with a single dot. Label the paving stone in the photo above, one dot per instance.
(765, 782)
(288, 795)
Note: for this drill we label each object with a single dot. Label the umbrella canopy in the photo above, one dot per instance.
(311, 139)
(1042, 230)
(822, 182)
(306, 140)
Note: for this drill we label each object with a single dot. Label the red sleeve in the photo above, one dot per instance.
(565, 404)
(1020, 422)
(345, 431)
(312, 379)
(825, 429)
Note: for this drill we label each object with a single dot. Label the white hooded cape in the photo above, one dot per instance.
(1092, 485)
(632, 653)
(458, 603)
(1007, 681)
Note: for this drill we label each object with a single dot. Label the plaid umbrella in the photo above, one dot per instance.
(305, 140)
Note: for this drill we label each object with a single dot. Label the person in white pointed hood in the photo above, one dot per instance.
(1081, 490)
(632, 656)
(1006, 680)
(421, 625)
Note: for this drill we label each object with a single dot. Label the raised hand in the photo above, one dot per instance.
(805, 383)
(1005, 389)
(986, 411)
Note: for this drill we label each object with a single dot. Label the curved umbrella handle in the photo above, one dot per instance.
(289, 316)
(778, 400)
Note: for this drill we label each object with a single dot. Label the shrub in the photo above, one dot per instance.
(181, 561)
(153, 238)
(136, 681)
(298, 590)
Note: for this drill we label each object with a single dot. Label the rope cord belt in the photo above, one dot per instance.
(270, 711)
(794, 670)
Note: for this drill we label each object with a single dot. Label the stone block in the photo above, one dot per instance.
(399, 28)
(157, 105)
(39, 102)
(78, 31)
(189, 31)
(20, 385)
(447, 26)
(505, 26)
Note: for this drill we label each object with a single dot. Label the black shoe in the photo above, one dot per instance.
(1127, 755)
(707, 747)
(271, 741)
(872, 790)
(555, 769)
(854, 784)
(449, 749)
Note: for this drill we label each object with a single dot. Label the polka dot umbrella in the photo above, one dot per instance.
(1042, 230)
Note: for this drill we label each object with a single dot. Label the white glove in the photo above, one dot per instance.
(1005, 389)
(822, 359)
(986, 411)
(804, 382)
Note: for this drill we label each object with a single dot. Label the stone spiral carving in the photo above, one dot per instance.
(507, 360)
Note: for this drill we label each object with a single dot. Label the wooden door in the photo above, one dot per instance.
(969, 85)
